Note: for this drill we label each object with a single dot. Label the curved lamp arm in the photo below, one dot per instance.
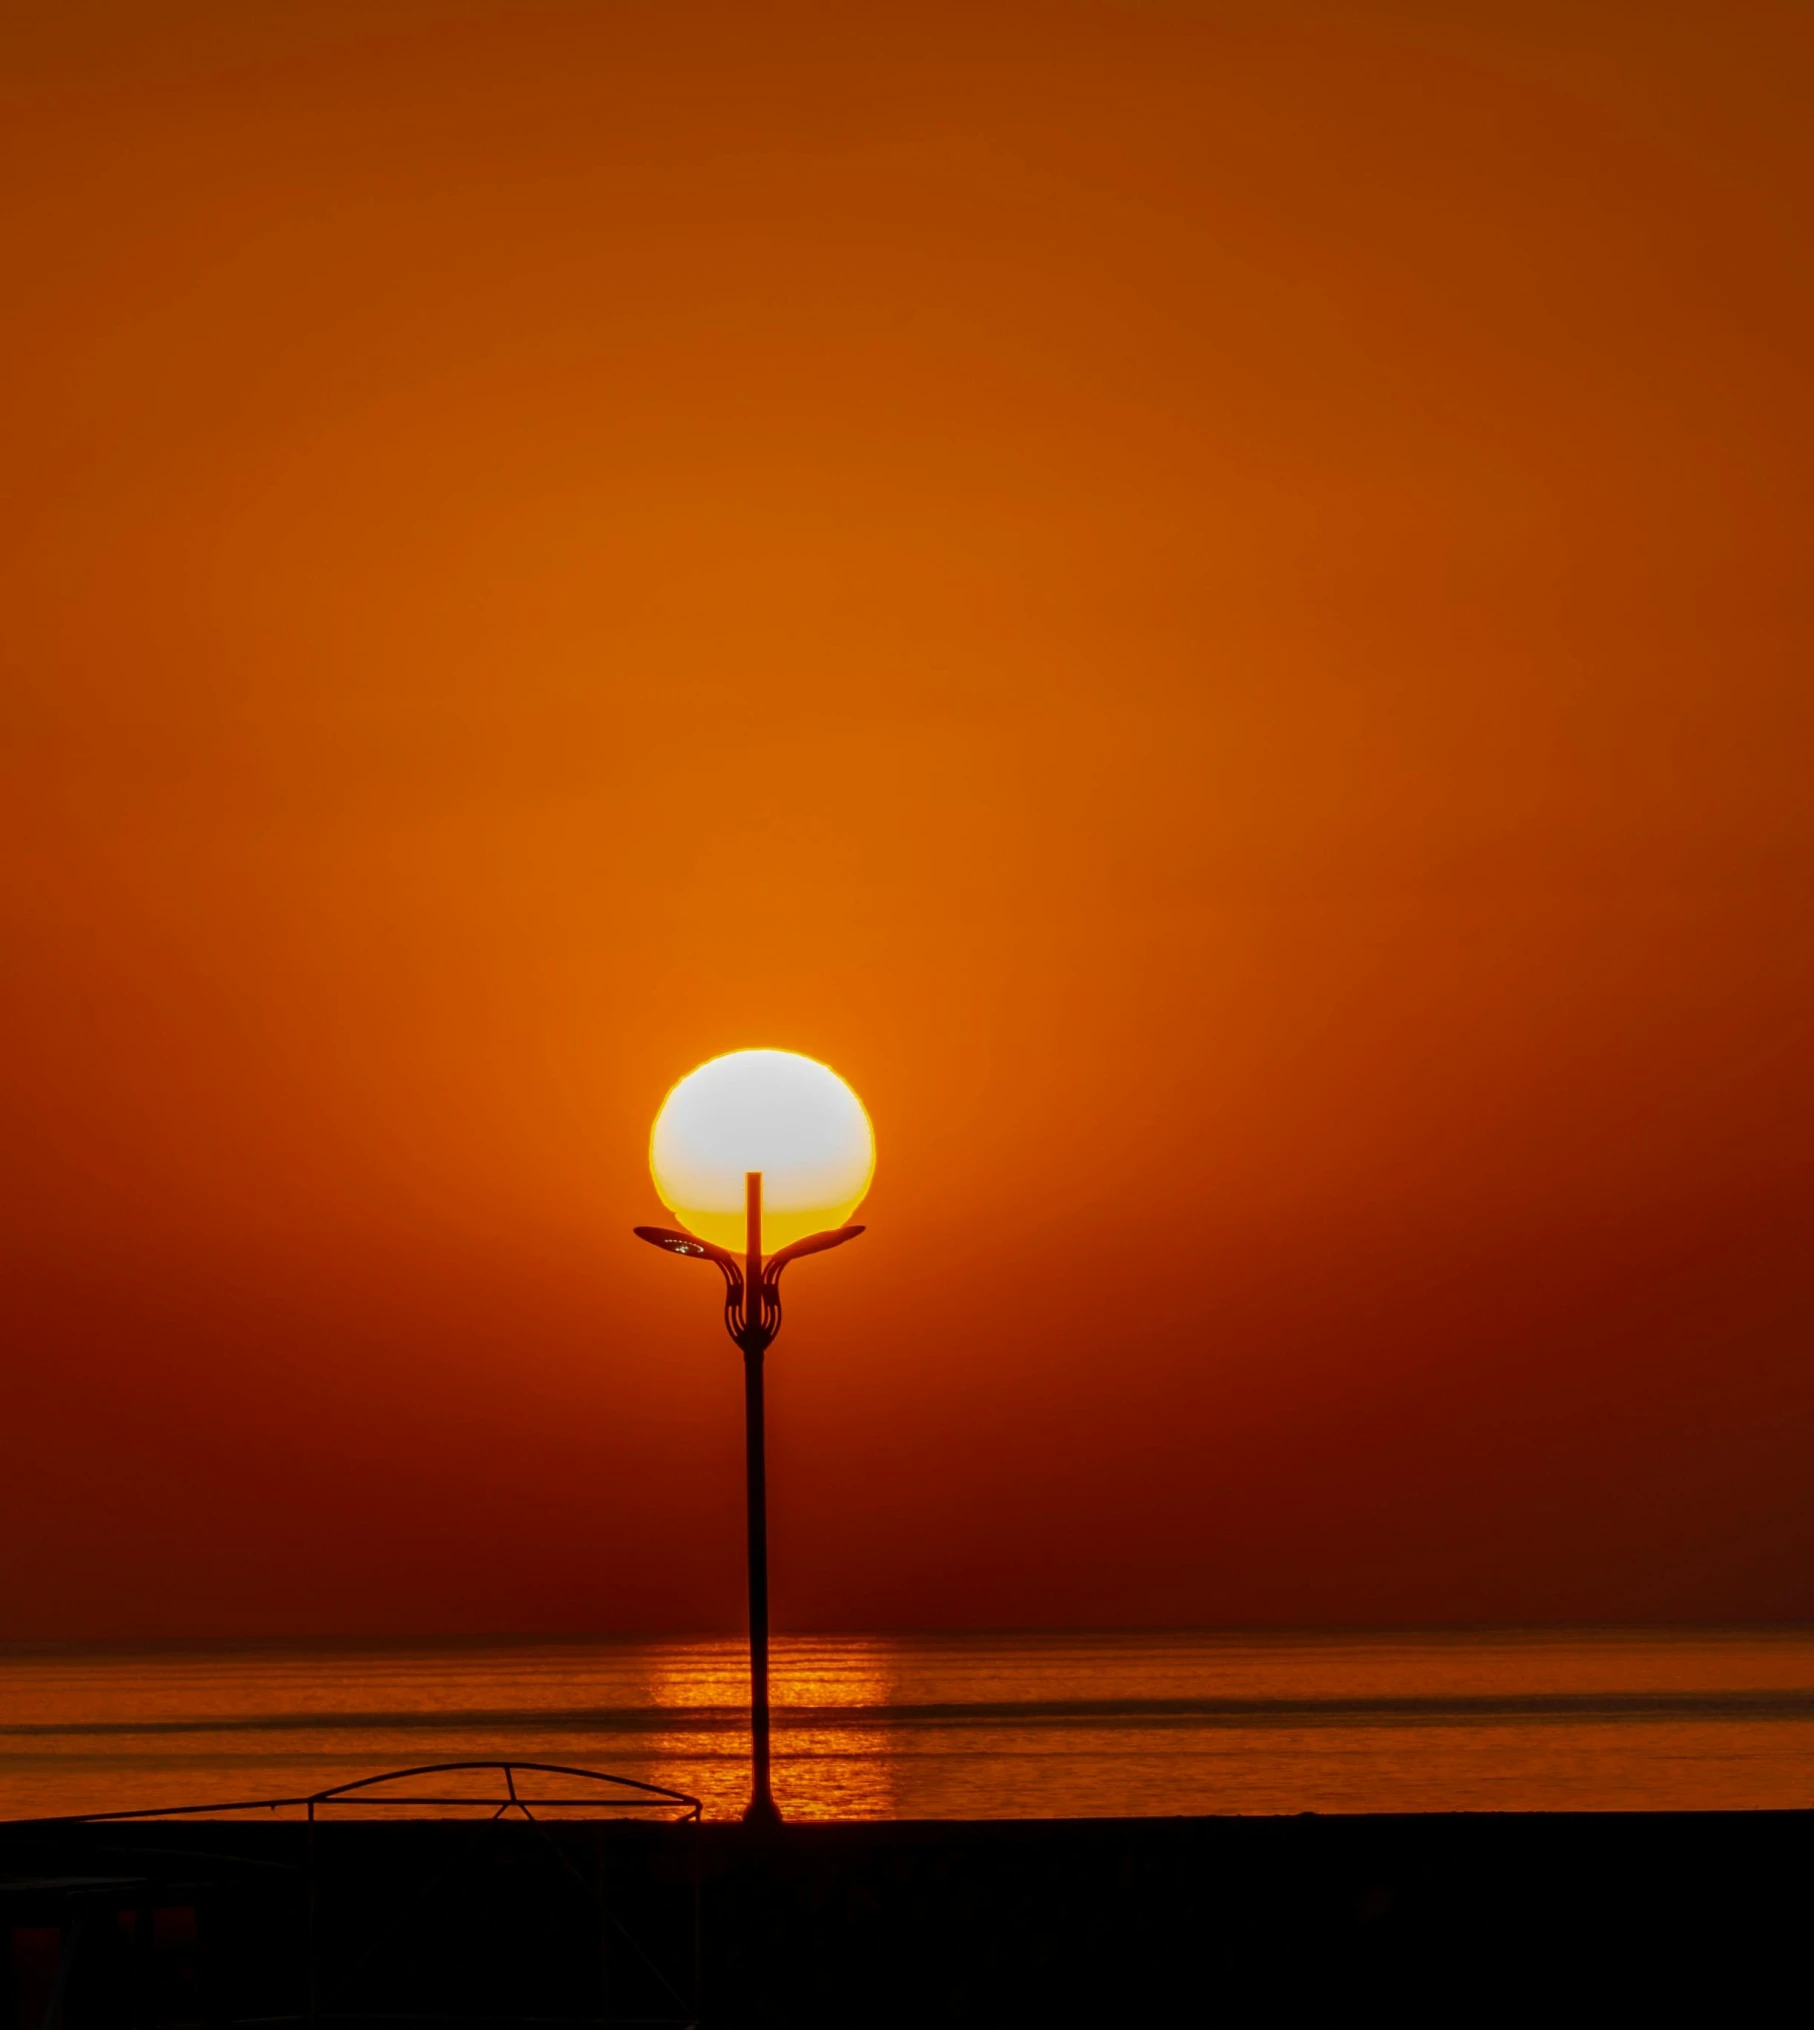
(677, 1243)
(767, 1322)
(813, 1244)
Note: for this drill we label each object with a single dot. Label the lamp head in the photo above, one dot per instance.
(814, 1244)
(678, 1243)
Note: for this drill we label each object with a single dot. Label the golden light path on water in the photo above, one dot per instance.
(954, 1727)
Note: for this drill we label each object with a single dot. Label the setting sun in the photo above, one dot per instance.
(769, 1110)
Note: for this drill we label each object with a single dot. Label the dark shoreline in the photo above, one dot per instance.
(1453, 1918)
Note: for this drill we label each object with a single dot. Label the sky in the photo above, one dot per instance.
(1211, 602)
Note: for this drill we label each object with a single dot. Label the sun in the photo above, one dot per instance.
(770, 1110)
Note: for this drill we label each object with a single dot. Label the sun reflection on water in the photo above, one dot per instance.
(826, 1766)
(953, 1726)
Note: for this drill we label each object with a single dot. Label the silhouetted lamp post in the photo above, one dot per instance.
(752, 1317)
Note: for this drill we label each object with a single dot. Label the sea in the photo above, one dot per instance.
(946, 1726)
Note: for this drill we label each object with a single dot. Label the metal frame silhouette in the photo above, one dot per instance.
(623, 1793)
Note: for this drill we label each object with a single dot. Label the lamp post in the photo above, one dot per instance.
(752, 1317)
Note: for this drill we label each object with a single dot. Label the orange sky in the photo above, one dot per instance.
(1211, 602)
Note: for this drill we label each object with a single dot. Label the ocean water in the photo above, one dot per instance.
(952, 1726)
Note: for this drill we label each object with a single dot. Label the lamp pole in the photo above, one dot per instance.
(752, 1317)
(754, 1341)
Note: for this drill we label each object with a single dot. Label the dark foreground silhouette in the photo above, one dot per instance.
(1452, 1919)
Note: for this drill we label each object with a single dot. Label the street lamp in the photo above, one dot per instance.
(758, 1116)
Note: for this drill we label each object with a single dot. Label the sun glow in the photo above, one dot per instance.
(769, 1110)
